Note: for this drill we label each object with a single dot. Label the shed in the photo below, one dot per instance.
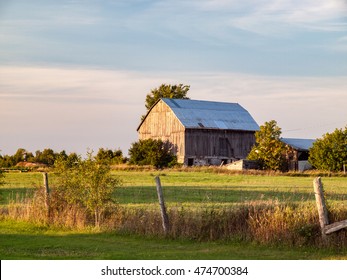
(243, 164)
(201, 132)
(298, 153)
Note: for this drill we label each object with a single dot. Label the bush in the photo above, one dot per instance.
(86, 183)
(330, 152)
(152, 152)
(269, 150)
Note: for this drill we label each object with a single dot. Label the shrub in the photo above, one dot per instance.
(330, 152)
(152, 152)
(86, 183)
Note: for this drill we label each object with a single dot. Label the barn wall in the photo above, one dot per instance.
(161, 123)
(195, 146)
(212, 146)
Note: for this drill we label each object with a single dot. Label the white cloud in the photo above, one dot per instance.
(274, 17)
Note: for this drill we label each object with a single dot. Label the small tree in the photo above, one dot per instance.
(47, 156)
(166, 91)
(152, 152)
(109, 156)
(269, 151)
(330, 152)
(87, 183)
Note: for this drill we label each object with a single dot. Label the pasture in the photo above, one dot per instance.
(268, 217)
(194, 187)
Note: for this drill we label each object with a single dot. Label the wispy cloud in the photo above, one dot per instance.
(274, 17)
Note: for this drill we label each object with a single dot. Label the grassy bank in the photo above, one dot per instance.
(22, 240)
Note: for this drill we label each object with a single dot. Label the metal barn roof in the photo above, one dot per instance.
(299, 144)
(211, 115)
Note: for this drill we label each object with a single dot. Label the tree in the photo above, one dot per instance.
(20, 155)
(330, 152)
(86, 183)
(152, 152)
(47, 156)
(109, 156)
(269, 151)
(166, 91)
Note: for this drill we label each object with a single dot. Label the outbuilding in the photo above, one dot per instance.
(201, 132)
(298, 153)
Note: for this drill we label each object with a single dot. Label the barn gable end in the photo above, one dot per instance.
(202, 132)
(161, 123)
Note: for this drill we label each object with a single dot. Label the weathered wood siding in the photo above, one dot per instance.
(161, 123)
(197, 146)
(218, 144)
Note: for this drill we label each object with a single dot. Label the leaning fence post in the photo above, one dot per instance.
(321, 206)
(164, 216)
(45, 183)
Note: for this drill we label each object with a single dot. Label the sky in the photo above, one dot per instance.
(74, 74)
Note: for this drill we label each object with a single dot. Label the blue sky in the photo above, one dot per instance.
(74, 74)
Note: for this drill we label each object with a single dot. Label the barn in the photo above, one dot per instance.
(201, 132)
(298, 153)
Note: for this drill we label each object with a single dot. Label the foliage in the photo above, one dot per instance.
(152, 152)
(269, 150)
(166, 91)
(20, 155)
(87, 183)
(48, 157)
(109, 156)
(330, 152)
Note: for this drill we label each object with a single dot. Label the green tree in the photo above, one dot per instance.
(6, 161)
(109, 156)
(330, 152)
(47, 156)
(87, 183)
(166, 91)
(152, 152)
(20, 155)
(269, 150)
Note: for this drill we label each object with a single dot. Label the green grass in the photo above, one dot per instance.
(194, 187)
(198, 189)
(22, 240)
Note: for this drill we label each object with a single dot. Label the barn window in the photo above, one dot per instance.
(190, 161)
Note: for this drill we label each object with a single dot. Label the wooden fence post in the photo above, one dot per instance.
(164, 216)
(323, 212)
(45, 183)
(321, 206)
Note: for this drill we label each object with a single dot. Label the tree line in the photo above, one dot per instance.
(48, 157)
(328, 153)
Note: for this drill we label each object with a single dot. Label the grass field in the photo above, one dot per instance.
(194, 187)
(21, 240)
(185, 192)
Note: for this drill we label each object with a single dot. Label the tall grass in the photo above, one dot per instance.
(201, 206)
(264, 222)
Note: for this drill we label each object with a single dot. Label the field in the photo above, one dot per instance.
(202, 205)
(195, 187)
(22, 240)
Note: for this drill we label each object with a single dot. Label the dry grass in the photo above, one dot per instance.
(266, 222)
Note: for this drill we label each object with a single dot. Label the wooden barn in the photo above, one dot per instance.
(298, 153)
(201, 132)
